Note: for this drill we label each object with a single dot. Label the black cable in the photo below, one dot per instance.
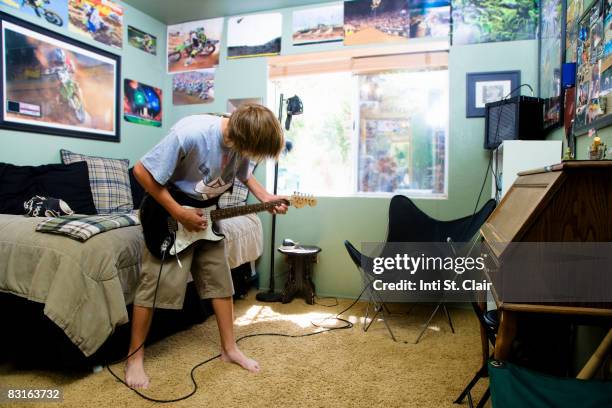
(326, 329)
(335, 299)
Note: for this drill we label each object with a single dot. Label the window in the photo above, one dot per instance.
(367, 131)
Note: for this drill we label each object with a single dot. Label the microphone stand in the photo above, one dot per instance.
(271, 295)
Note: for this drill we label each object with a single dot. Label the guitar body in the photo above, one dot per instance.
(158, 225)
(185, 238)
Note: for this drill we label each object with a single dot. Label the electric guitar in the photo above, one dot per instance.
(161, 230)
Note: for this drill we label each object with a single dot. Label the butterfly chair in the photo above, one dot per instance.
(407, 223)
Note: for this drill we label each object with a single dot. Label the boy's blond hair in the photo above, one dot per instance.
(255, 132)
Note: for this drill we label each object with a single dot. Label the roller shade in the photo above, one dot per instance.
(360, 60)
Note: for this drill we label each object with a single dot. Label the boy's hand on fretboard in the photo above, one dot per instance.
(279, 209)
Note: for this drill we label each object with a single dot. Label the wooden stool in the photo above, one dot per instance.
(299, 281)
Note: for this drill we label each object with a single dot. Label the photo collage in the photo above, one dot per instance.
(594, 65)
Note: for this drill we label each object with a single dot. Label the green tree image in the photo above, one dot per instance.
(478, 21)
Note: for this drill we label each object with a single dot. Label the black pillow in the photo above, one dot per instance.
(138, 192)
(68, 182)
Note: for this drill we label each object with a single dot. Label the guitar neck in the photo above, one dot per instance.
(223, 213)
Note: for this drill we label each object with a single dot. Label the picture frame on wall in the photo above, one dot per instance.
(594, 69)
(487, 87)
(551, 54)
(57, 85)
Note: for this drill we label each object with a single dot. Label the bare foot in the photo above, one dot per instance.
(236, 356)
(135, 375)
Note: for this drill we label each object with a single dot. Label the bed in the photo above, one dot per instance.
(85, 288)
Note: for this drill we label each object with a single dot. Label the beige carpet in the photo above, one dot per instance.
(345, 368)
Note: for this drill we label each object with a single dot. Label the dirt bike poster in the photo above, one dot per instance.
(317, 25)
(193, 88)
(142, 104)
(233, 104)
(52, 11)
(194, 45)
(57, 85)
(143, 41)
(100, 20)
(254, 35)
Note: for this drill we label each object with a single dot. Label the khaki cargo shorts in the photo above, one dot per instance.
(207, 263)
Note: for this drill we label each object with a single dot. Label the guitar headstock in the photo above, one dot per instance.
(301, 200)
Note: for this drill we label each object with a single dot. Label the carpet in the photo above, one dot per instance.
(345, 368)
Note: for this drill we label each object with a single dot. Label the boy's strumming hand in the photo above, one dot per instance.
(192, 219)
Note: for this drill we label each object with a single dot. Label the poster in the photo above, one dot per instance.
(574, 10)
(100, 20)
(592, 76)
(481, 21)
(550, 61)
(194, 45)
(142, 104)
(429, 18)
(318, 25)
(233, 104)
(52, 11)
(195, 87)
(143, 41)
(254, 35)
(372, 21)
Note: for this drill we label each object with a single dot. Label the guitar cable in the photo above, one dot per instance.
(165, 245)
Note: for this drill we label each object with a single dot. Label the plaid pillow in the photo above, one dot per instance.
(236, 197)
(83, 227)
(109, 180)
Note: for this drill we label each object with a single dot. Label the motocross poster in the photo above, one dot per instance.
(194, 45)
(52, 11)
(143, 41)
(142, 104)
(255, 35)
(51, 85)
(192, 88)
(100, 20)
(317, 25)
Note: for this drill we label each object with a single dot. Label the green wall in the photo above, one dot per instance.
(29, 148)
(365, 219)
(334, 219)
(583, 142)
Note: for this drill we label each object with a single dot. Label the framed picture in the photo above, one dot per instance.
(487, 87)
(551, 48)
(594, 69)
(56, 85)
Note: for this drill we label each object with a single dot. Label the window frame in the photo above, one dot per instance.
(306, 65)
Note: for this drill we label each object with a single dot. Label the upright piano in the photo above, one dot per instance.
(568, 202)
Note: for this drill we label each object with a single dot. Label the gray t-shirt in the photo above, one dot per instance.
(193, 159)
